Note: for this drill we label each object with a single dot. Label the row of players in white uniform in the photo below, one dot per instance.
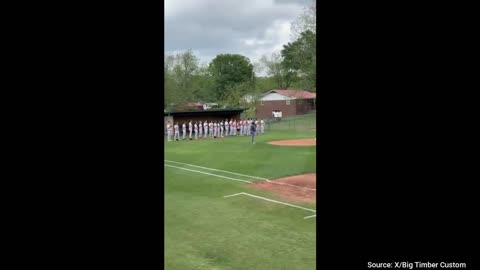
(216, 129)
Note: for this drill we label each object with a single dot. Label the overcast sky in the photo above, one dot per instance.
(249, 27)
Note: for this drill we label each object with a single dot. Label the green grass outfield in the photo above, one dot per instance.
(204, 230)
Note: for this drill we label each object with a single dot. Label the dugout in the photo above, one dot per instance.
(209, 115)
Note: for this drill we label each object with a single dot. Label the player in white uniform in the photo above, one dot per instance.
(184, 130)
(190, 130)
(200, 129)
(177, 133)
(262, 126)
(169, 131)
(210, 128)
(240, 125)
(205, 127)
(221, 128)
(244, 127)
(256, 127)
(214, 129)
(226, 128)
(248, 126)
(195, 128)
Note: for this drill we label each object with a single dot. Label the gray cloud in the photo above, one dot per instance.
(211, 27)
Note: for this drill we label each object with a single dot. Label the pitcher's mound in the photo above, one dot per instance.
(298, 188)
(299, 142)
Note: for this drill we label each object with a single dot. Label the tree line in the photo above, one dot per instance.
(228, 77)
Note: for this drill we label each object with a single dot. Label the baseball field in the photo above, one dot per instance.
(227, 207)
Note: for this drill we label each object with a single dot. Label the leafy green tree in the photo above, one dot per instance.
(299, 58)
(202, 85)
(170, 87)
(184, 69)
(264, 84)
(307, 21)
(180, 71)
(228, 70)
(282, 76)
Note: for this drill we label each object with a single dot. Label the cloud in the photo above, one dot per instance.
(210, 27)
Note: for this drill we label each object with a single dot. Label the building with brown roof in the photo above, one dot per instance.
(285, 103)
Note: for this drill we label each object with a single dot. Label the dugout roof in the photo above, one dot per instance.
(204, 112)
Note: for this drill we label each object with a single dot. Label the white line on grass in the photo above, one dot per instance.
(310, 216)
(206, 168)
(256, 177)
(270, 200)
(221, 176)
(233, 195)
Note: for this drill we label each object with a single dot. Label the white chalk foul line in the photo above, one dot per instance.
(233, 195)
(270, 200)
(255, 177)
(221, 176)
(310, 216)
(211, 169)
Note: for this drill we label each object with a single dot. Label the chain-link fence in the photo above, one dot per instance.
(300, 123)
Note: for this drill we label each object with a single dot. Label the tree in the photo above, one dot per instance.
(169, 83)
(264, 84)
(184, 69)
(282, 76)
(202, 84)
(307, 21)
(179, 74)
(299, 57)
(237, 98)
(301, 54)
(228, 70)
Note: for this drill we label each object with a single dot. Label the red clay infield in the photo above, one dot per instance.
(299, 188)
(299, 142)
